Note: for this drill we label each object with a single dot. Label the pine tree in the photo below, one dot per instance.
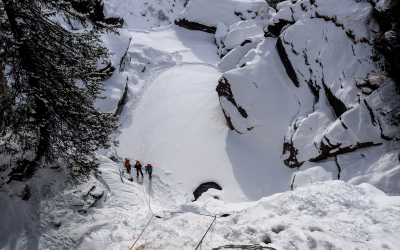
(47, 102)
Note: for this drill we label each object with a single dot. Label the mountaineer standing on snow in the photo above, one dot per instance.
(127, 165)
(138, 167)
(149, 170)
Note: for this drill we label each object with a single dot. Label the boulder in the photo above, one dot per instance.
(282, 19)
(238, 34)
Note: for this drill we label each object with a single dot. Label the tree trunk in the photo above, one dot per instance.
(28, 64)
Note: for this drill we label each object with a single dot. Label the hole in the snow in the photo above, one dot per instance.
(204, 187)
(266, 239)
(243, 247)
(216, 197)
(314, 229)
(278, 228)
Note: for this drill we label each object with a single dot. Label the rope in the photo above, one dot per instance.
(187, 212)
(147, 222)
(215, 217)
(148, 203)
(147, 200)
(142, 232)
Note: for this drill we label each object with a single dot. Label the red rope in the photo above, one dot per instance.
(215, 217)
(142, 232)
(147, 222)
(147, 200)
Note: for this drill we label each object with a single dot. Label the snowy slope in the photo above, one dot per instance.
(110, 213)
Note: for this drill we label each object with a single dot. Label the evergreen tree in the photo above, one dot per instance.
(47, 102)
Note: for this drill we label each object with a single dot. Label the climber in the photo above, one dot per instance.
(138, 167)
(127, 165)
(149, 170)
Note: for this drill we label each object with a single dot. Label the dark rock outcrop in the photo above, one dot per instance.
(274, 3)
(291, 161)
(25, 193)
(327, 148)
(23, 170)
(274, 30)
(122, 102)
(194, 26)
(204, 187)
(286, 62)
(114, 21)
(388, 44)
(224, 90)
(95, 9)
(98, 15)
(336, 104)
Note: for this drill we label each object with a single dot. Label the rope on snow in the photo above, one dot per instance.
(147, 222)
(215, 217)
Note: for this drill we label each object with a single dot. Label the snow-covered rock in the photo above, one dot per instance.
(116, 85)
(238, 34)
(281, 20)
(259, 94)
(231, 60)
(147, 14)
(205, 15)
(340, 85)
(372, 122)
(111, 14)
(315, 174)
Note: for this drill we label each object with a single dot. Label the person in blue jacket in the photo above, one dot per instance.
(149, 170)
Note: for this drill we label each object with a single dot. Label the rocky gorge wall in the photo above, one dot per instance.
(328, 67)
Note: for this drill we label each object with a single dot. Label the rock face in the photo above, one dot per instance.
(194, 26)
(387, 15)
(323, 77)
(102, 11)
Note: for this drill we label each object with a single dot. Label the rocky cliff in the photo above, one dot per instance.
(325, 70)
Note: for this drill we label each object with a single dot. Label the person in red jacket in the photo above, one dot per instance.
(138, 168)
